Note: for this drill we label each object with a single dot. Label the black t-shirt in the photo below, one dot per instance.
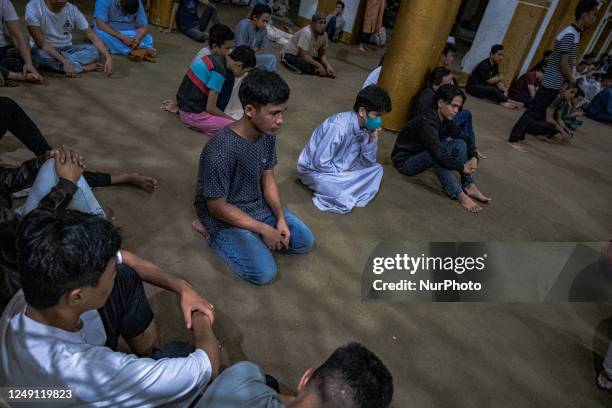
(482, 73)
(423, 133)
(208, 73)
(231, 167)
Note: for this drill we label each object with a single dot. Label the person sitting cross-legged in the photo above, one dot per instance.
(200, 91)
(305, 52)
(351, 377)
(252, 32)
(15, 57)
(237, 199)
(80, 294)
(191, 22)
(123, 26)
(433, 140)
(339, 162)
(486, 81)
(50, 23)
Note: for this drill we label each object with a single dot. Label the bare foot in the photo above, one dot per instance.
(363, 48)
(169, 105)
(198, 227)
(95, 67)
(517, 146)
(603, 381)
(473, 191)
(151, 52)
(508, 105)
(468, 203)
(148, 184)
(480, 155)
(524, 142)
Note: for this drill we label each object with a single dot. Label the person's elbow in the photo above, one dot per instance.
(215, 206)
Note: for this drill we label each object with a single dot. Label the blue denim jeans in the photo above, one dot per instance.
(83, 199)
(457, 150)
(463, 120)
(78, 55)
(246, 254)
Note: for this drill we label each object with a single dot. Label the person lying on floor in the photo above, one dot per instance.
(15, 58)
(486, 81)
(252, 32)
(80, 294)
(433, 140)
(237, 199)
(200, 99)
(50, 23)
(123, 26)
(15, 120)
(463, 119)
(305, 52)
(339, 161)
(351, 377)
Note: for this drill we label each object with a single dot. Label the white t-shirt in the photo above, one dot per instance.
(57, 27)
(372, 78)
(36, 355)
(7, 13)
(306, 40)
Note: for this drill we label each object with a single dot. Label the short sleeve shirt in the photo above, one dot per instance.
(231, 167)
(57, 27)
(204, 74)
(7, 13)
(110, 12)
(520, 87)
(565, 43)
(306, 40)
(483, 72)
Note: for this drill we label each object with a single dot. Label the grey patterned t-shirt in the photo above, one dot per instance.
(231, 167)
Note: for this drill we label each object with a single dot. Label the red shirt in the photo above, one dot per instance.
(519, 87)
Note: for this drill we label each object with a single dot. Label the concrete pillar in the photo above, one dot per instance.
(521, 33)
(491, 31)
(420, 33)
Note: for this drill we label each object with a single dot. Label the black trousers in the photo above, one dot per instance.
(534, 113)
(16, 121)
(299, 64)
(127, 312)
(10, 61)
(487, 91)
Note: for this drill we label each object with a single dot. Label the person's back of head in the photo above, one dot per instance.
(260, 9)
(437, 76)
(449, 47)
(130, 6)
(262, 87)
(245, 57)
(219, 34)
(373, 99)
(585, 7)
(352, 377)
(62, 251)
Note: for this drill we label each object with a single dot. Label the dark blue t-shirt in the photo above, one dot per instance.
(231, 167)
(188, 14)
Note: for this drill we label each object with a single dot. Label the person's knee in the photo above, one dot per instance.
(459, 147)
(303, 239)
(262, 271)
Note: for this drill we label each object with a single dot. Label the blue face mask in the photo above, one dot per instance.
(373, 123)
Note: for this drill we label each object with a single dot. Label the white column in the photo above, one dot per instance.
(491, 31)
(307, 8)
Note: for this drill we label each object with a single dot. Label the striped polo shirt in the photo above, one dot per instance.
(565, 43)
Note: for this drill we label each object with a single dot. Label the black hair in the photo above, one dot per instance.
(579, 93)
(449, 48)
(245, 55)
(130, 6)
(496, 48)
(341, 3)
(260, 9)
(219, 34)
(61, 251)
(437, 75)
(547, 53)
(374, 99)
(352, 377)
(446, 93)
(262, 87)
(585, 6)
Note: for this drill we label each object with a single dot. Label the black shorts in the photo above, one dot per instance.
(127, 312)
